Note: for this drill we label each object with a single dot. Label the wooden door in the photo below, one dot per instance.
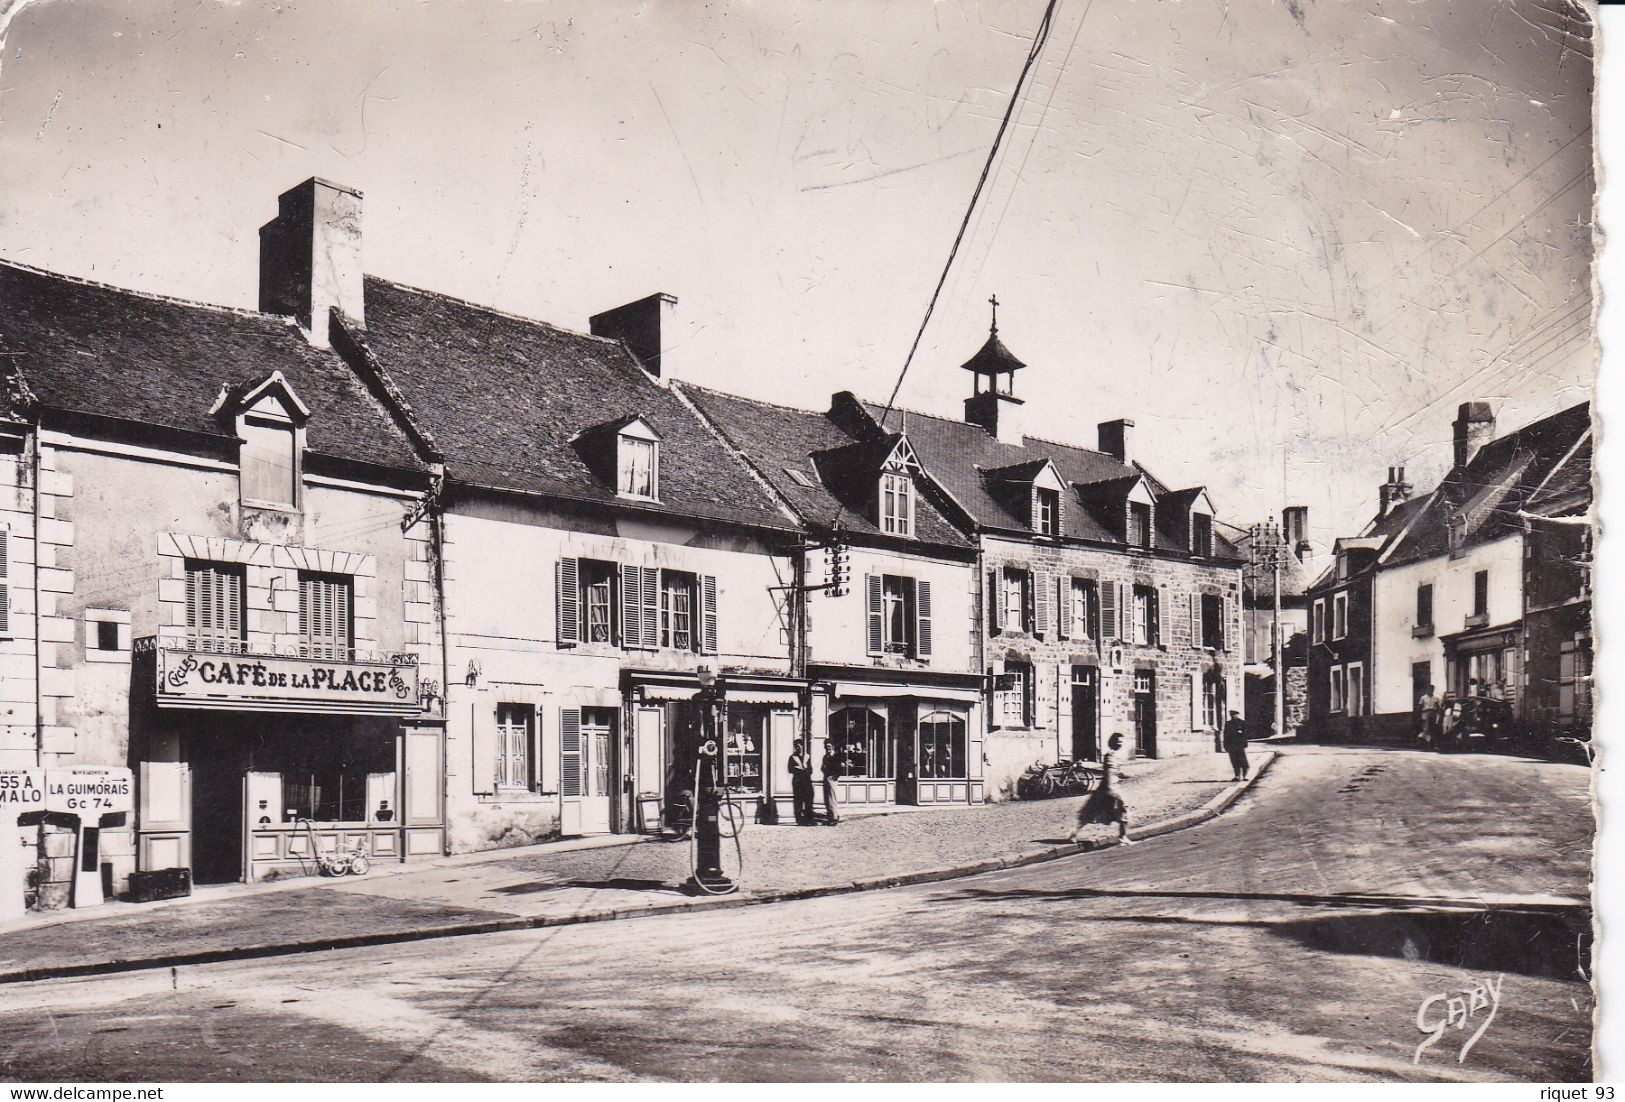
(597, 769)
(1085, 715)
(1145, 712)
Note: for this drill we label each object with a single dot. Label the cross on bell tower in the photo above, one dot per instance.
(993, 403)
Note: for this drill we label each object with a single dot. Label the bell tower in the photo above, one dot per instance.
(993, 403)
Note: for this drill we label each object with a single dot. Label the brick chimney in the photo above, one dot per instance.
(1115, 438)
(310, 257)
(648, 326)
(1475, 427)
(1295, 529)
(1394, 491)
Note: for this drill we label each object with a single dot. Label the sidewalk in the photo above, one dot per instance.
(595, 880)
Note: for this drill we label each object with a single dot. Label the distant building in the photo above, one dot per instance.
(1258, 622)
(1436, 589)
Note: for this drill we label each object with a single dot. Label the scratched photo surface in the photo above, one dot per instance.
(1126, 467)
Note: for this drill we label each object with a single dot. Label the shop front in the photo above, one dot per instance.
(901, 742)
(257, 764)
(1484, 663)
(757, 717)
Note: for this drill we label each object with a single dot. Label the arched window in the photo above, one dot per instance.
(942, 746)
(859, 734)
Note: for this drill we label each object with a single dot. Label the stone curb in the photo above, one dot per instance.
(1210, 810)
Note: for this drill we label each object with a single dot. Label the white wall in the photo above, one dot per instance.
(1395, 648)
(837, 629)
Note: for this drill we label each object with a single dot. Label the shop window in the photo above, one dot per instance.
(1084, 611)
(896, 504)
(516, 734)
(942, 746)
(324, 771)
(859, 735)
(214, 606)
(269, 461)
(677, 610)
(325, 607)
(1147, 628)
(747, 743)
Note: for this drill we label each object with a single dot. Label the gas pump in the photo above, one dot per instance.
(712, 801)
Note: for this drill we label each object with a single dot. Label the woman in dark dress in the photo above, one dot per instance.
(1105, 804)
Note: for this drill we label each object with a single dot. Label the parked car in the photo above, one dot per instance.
(1482, 724)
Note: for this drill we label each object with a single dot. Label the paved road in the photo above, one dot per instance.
(1292, 939)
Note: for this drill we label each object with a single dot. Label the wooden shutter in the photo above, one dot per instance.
(1159, 598)
(567, 576)
(708, 614)
(1108, 610)
(1225, 639)
(651, 609)
(632, 607)
(875, 607)
(1196, 619)
(1125, 611)
(5, 583)
(1063, 607)
(922, 608)
(486, 746)
(1041, 584)
(570, 752)
(1029, 619)
(995, 602)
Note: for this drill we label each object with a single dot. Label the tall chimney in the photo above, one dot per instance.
(1114, 438)
(310, 257)
(1295, 529)
(1394, 491)
(648, 326)
(1475, 427)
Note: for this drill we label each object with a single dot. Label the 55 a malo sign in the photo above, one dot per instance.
(88, 790)
(203, 679)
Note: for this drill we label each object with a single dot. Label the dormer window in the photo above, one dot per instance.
(896, 504)
(1047, 512)
(1139, 524)
(269, 422)
(637, 452)
(1201, 535)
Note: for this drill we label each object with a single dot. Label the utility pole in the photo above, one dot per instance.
(1267, 551)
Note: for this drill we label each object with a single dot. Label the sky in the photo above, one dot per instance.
(1285, 239)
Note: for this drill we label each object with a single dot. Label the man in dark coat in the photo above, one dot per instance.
(801, 785)
(1235, 744)
(833, 769)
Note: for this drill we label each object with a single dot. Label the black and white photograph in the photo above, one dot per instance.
(649, 541)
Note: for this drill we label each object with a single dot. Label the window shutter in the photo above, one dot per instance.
(1029, 694)
(5, 583)
(568, 577)
(708, 614)
(1108, 610)
(651, 609)
(486, 739)
(995, 602)
(1063, 607)
(875, 608)
(1029, 622)
(1196, 702)
(922, 606)
(1159, 598)
(1041, 584)
(1125, 612)
(569, 751)
(1228, 606)
(1196, 619)
(631, 607)
(192, 601)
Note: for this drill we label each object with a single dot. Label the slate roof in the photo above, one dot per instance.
(1494, 486)
(1568, 490)
(87, 348)
(841, 471)
(963, 458)
(1382, 528)
(503, 396)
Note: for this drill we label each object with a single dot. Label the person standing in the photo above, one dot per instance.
(832, 767)
(1235, 744)
(1427, 708)
(801, 786)
(1105, 804)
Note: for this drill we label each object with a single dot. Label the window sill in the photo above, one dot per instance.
(1421, 631)
(270, 506)
(647, 500)
(1478, 621)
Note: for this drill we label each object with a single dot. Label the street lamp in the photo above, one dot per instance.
(708, 877)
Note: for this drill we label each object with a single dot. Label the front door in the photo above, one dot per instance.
(597, 769)
(1085, 715)
(1145, 712)
(904, 726)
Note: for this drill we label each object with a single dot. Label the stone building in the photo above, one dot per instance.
(1105, 601)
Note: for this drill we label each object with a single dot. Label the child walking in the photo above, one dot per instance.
(1105, 804)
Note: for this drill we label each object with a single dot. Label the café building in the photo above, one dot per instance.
(234, 585)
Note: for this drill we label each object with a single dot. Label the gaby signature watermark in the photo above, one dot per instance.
(1443, 1011)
